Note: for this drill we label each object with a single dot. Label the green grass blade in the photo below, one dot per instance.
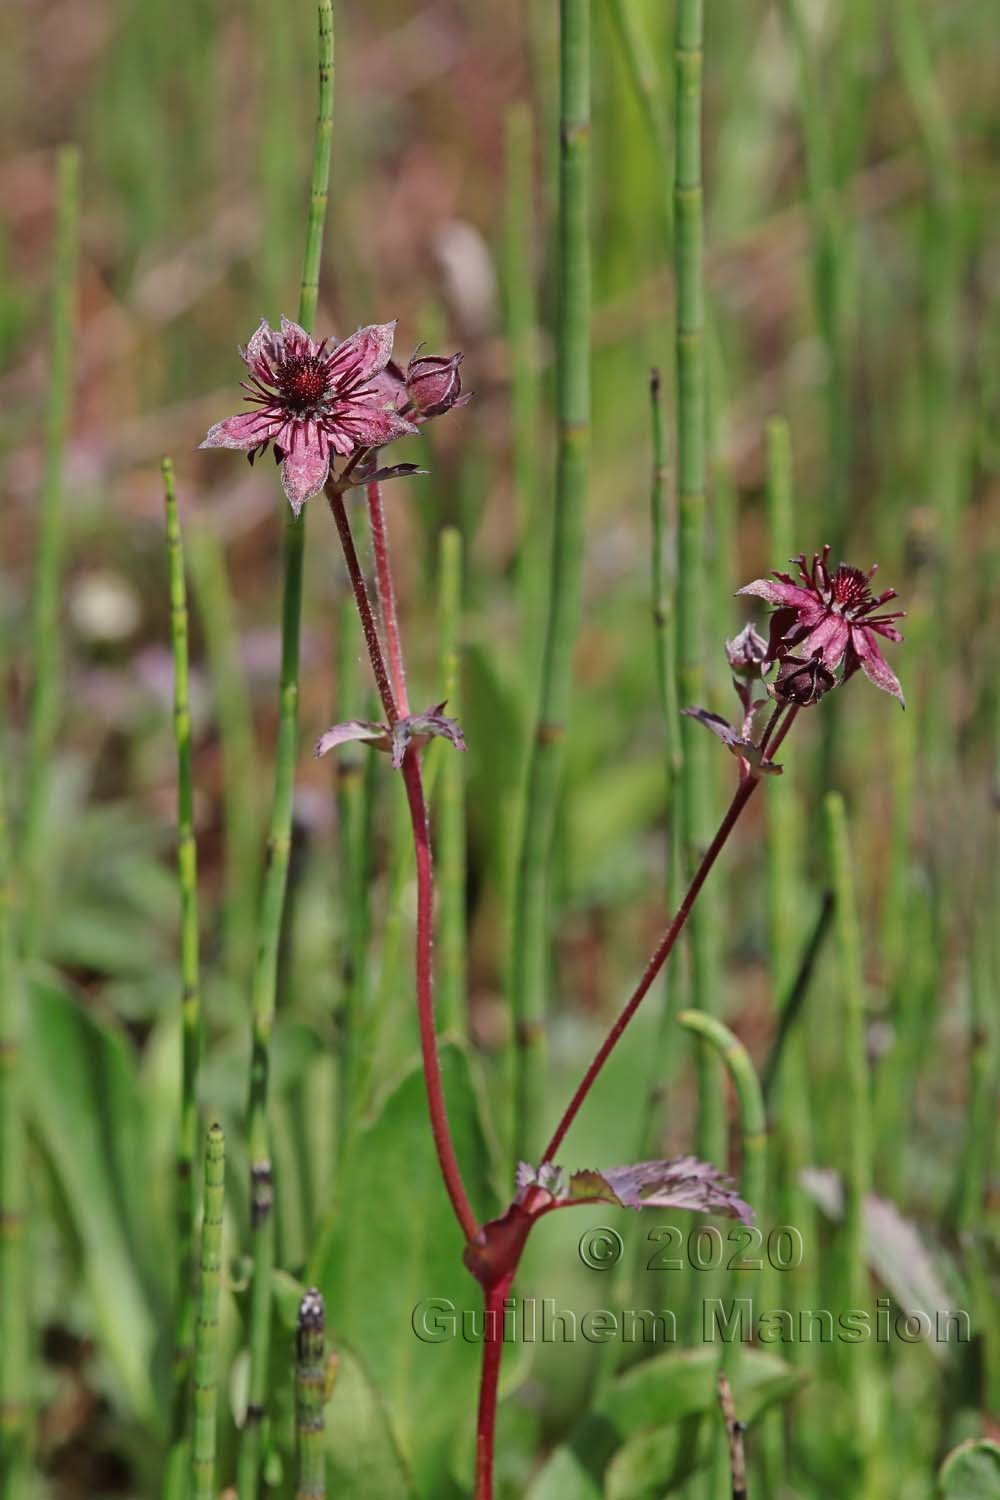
(449, 803)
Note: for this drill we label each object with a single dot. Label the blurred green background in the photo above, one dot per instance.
(852, 193)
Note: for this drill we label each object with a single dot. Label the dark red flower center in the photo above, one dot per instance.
(303, 382)
(849, 588)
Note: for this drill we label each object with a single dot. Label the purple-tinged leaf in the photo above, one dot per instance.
(684, 1182)
(736, 743)
(419, 727)
(376, 735)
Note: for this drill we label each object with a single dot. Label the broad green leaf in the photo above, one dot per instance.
(88, 1111)
(362, 1455)
(637, 1436)
(389, 1262)
(971, 1472)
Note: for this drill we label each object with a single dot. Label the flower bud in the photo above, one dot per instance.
(433, 384)
(803, 682)
(746, 653)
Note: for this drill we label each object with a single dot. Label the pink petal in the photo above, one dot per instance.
(365, 353)
(830, 637)
(388, 388)
(788, 594)
(296, 335)
(258, 350)
(889, 631)
(244, 431)
(874, 664)
(306, 465)
(361, 426)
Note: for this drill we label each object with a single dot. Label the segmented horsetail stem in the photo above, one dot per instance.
(187, 878)
(691, 564)
(520, 326)
(449, 802)
(43, 721)
(206, 1336)
(663, 585)
(214, 605)
(14, 1299)
(855, 1163)
(529, 953)
(279, 841)
(310, 1395)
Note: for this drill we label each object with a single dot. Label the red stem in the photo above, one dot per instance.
(488, 1385)
(425, 881)
(425, 999)
(361, 599)
(387, 595)
(740, 799)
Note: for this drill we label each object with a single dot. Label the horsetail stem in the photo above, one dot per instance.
(530, 925)
(310, 1396)
(44, 711)
(691, 568)
(856, 1158)
(206, 1338)
(753, 1124)
(520, 322)
(279, 840)
(186, 1206)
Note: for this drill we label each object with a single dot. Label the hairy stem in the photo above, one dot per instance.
(279, 841)
(489, 1382)
(386, 593)
(440, 1130)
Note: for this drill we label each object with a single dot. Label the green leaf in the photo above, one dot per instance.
(89, 1114)
(637, 1436)
(362, 1455)
(971, 1472)
(389, 1246)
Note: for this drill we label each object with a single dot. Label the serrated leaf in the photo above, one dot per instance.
(684, 1182)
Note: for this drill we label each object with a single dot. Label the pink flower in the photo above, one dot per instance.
(831, 617)
(313, 401)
